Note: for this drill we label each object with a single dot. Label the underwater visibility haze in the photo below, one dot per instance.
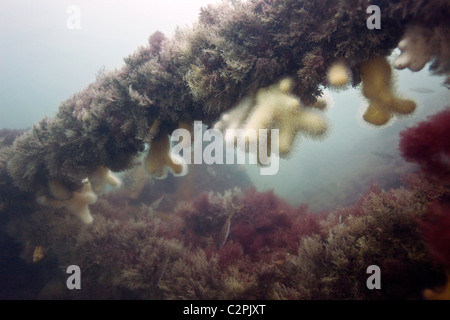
(338, 110)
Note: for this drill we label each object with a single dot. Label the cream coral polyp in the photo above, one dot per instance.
(77, 204)
(339, 75)
(377, 88)
(159, 159)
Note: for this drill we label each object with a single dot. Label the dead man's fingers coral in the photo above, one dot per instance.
(59, 191)
(159, 158)
(78, 204)
(276, 108)
(102, 177)
(339, 75)
(377, 87)
(439, 293)
(415, 50)
(377, 114)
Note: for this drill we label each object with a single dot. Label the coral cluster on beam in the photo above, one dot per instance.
(275, 107)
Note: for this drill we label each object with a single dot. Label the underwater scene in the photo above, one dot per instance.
(225, 150)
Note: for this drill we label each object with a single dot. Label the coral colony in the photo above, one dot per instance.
(252, 73)
(250, 140)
